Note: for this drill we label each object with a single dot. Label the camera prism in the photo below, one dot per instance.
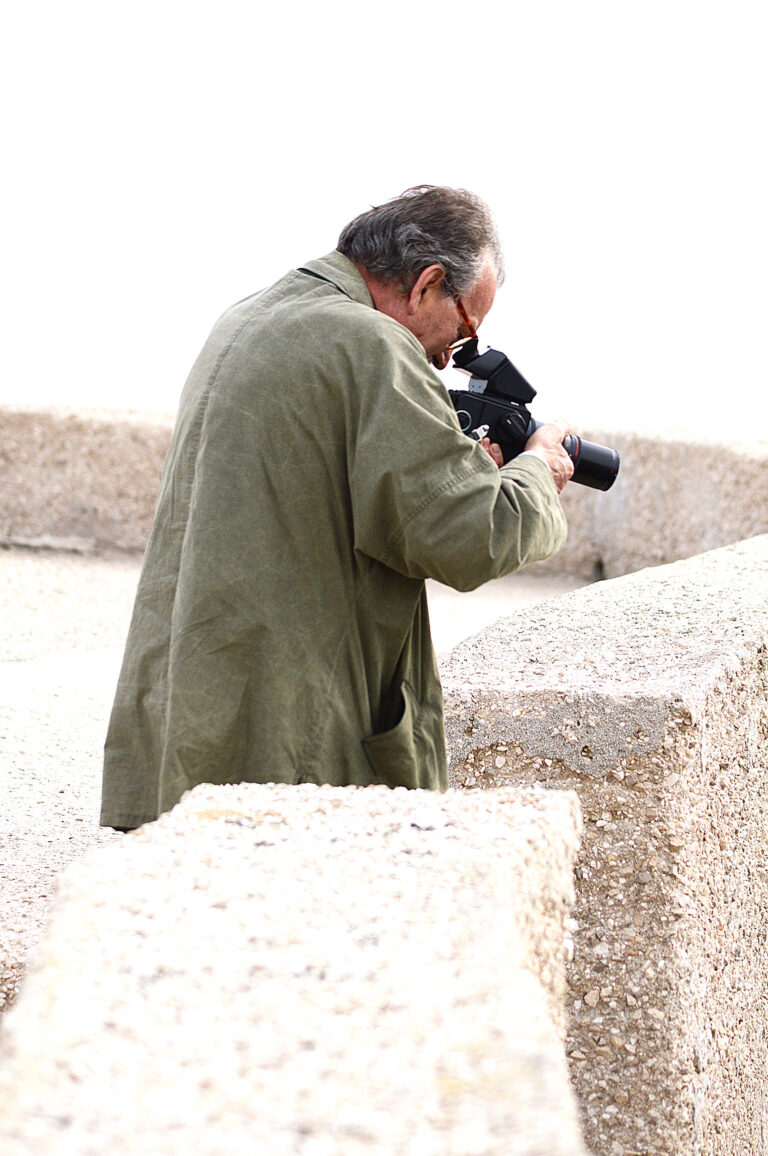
(495, 403)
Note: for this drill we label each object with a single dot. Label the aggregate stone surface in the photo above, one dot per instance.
(647, 695)
(64, 620)
(65, 617)
(305, 970)
(665, 631)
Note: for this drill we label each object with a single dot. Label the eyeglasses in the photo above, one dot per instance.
(464, 317)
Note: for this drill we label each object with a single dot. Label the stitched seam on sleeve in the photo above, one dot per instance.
(462, 476)
(547, 476)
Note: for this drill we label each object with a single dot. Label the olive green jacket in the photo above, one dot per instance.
(316, 476)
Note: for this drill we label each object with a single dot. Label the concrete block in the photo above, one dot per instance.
(79, 481)
(305, 970)
(648, 696)
(673, 498)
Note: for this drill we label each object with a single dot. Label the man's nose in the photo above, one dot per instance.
(440, 360)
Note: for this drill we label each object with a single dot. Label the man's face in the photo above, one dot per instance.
(437, 322)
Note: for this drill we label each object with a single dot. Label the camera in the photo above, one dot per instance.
(494, 405)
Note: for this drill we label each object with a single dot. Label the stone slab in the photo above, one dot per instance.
(65, 617)
(79, 481)
(648, 695)
(305, 970)
(673, 498)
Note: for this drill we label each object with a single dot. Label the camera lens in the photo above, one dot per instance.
(593, 465)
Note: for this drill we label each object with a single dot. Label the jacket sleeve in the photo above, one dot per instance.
(427, 501)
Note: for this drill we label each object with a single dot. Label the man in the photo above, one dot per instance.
(316, 476)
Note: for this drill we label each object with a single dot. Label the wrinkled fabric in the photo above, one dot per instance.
(316, 476)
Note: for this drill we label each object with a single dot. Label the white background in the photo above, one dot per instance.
(163, 160)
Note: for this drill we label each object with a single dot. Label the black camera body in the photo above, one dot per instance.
(494, 406)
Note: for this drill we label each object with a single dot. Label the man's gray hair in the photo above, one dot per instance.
(425, 225)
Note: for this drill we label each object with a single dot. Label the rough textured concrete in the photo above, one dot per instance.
(79, 481)
(64, 621)
(89, 480)
(305, 970)
(647, 695)
(671, 500)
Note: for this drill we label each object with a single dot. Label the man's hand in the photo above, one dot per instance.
(547, 441)
(493, 450)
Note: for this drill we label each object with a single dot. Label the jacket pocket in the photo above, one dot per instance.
(396, 755)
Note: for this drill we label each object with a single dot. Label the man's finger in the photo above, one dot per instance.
(494, 451)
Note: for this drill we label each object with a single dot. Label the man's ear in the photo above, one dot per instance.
(429, 280)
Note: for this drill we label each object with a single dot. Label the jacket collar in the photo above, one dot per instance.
(339, 271)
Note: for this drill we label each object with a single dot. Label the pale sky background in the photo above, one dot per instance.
(163, 160)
